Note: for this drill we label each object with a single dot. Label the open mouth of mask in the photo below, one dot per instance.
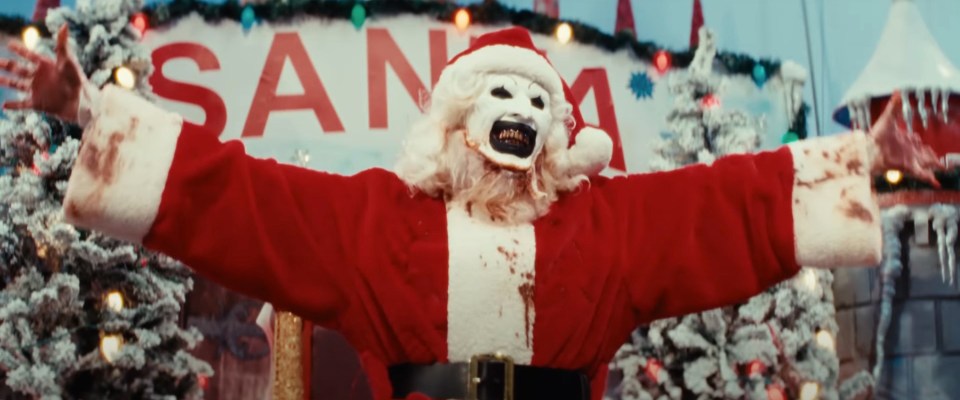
(514, 138)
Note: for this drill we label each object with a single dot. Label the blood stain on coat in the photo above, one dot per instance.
(526, 293)
(102, 163)
(508, 255)
(134, 124)
(853, 166)
(856, 210)
(827, 175)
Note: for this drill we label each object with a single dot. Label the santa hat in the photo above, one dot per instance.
(512, 51)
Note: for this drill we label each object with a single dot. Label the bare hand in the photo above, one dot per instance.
(50, 86)
(902, 150)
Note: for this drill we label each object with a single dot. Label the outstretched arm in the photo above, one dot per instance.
(706, 236)
(280, 233)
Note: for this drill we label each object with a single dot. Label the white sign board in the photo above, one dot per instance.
(349, 96)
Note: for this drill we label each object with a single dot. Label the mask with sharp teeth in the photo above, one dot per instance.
(509, 121)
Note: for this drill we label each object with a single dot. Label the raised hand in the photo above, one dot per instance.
(897, 149)
(51, 86)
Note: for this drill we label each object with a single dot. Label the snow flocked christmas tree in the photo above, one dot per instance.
(81, 315)
(778, 345)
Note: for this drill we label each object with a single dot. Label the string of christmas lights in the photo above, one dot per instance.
(486, 13)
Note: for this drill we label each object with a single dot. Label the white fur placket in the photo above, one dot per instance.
(490, 291)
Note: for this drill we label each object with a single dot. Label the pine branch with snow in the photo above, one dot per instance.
(59, 286)
(778, 340)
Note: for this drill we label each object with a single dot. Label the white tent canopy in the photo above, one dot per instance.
(906, 58)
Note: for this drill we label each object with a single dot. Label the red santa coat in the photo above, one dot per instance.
(410, 278)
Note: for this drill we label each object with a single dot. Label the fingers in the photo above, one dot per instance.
(933, 162)
(886, 123)
(26, 53)
(18, 69)
(929, 177)
(893, 105)
(63, 44)
(18, 84)
(924, 165)
(18, 105)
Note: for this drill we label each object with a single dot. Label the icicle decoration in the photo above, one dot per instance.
(893, 220)
(945, 219)
(922, 107)
(854, 110)
(860, 114)
(867, 118)
(935, 101)
(907, 111)
(944, 105)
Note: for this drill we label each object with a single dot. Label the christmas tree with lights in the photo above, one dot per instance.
(83, 315)
(779, 344)
(700, 130)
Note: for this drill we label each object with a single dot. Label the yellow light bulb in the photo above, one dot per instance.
(825, 340)
(564, 33)
(809, 391)
(31, 36)
(808, 280)
(114, 301)
(893, 176)
(462, 19)
(110, 346)
(125, 77)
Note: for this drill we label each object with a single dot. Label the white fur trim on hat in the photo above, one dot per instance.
(505, 59)
(590, 153)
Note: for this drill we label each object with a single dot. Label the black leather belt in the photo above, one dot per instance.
(488, 377)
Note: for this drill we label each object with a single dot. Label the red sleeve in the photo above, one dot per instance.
(705, 236)
(280, 233)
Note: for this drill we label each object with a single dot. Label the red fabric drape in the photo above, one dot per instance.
(625, 18)
(550, 8)
(696, 23)
(40, 11)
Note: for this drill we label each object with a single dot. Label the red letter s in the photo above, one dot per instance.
(208, 100)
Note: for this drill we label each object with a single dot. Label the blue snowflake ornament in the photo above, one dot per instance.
(641, 85)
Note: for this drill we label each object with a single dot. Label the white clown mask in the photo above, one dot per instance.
(509, 121)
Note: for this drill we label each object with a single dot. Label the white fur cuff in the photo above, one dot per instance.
(122, 167)
(835, 212)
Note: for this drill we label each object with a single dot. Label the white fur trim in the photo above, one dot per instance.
(591, 152)
(835, 213)
(508, 60)
(490, 292)
(122, 165)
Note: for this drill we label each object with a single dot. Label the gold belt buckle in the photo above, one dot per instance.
(473, 379)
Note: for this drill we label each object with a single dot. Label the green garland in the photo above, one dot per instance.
(949, 181)
(13, 25)
(489, 12)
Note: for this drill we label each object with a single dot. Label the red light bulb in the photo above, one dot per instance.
(662, 61)
(139, 22)
(710, 101)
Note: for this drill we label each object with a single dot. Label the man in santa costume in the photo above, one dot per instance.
(495, 259)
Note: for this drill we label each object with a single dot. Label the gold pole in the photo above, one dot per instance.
(288, 357)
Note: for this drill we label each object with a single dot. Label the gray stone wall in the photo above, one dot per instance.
(922, 359)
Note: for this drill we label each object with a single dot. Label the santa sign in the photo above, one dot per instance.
(349, 96)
